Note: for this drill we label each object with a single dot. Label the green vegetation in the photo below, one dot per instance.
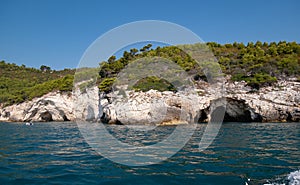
(112, 67)
(259, 64)
(19, 83)
(255, 81)
(86, 77)
(153, 82)
(106, 84)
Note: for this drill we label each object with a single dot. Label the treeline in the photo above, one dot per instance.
(110, 69)
(259, 64)
(20, 83)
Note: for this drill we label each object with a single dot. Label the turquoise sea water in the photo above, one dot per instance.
(56, 153)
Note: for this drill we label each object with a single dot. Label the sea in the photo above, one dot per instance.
(241, 154)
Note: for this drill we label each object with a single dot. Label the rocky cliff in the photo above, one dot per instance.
(55, 106)
(50, 107)
(277, 103)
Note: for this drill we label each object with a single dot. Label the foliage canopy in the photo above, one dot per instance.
(259, 64)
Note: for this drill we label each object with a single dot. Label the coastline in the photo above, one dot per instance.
(278, 103)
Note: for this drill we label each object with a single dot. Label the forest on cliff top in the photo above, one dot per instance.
(259, 64)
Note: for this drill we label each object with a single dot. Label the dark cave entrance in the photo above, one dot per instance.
(236, 111)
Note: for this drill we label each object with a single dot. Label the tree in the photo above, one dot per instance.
(240, 45)
(228, 45)
(112, 59)
(250, 45)
(133, 51)
(146, 48)
(258, 44)
(45, 68)
(272, 50)
(106, 84)
(126, 55)
(265, 44)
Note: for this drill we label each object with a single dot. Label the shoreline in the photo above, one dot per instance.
(279, 103)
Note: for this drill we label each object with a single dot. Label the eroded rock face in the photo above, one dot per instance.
(86, 104)
(151, 108)
(56, 106)
(274, 104)
(278, 103)
(51, 107)
(178, 108)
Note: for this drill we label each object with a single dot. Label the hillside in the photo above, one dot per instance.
(258, 64)
(20, 83)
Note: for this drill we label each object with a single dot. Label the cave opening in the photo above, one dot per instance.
(245, 116)
(235, 111)
(202, 116)
(46, 116)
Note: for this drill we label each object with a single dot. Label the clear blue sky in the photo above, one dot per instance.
(57, 32)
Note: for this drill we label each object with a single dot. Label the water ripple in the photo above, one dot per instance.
(56, 153)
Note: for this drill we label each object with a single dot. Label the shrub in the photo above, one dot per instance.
(106, 84)
(154, 83)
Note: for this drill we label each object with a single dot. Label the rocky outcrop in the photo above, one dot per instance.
(243, 104)
(149, 108)
(86, 104)
(52, 106)
(55, 106)
(279, 103)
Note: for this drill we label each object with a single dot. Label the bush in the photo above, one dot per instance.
(106, 84)
(259, 80)
(154, 83)
(238, 77)
(255, 81)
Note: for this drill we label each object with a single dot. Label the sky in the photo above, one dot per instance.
(56, 33)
